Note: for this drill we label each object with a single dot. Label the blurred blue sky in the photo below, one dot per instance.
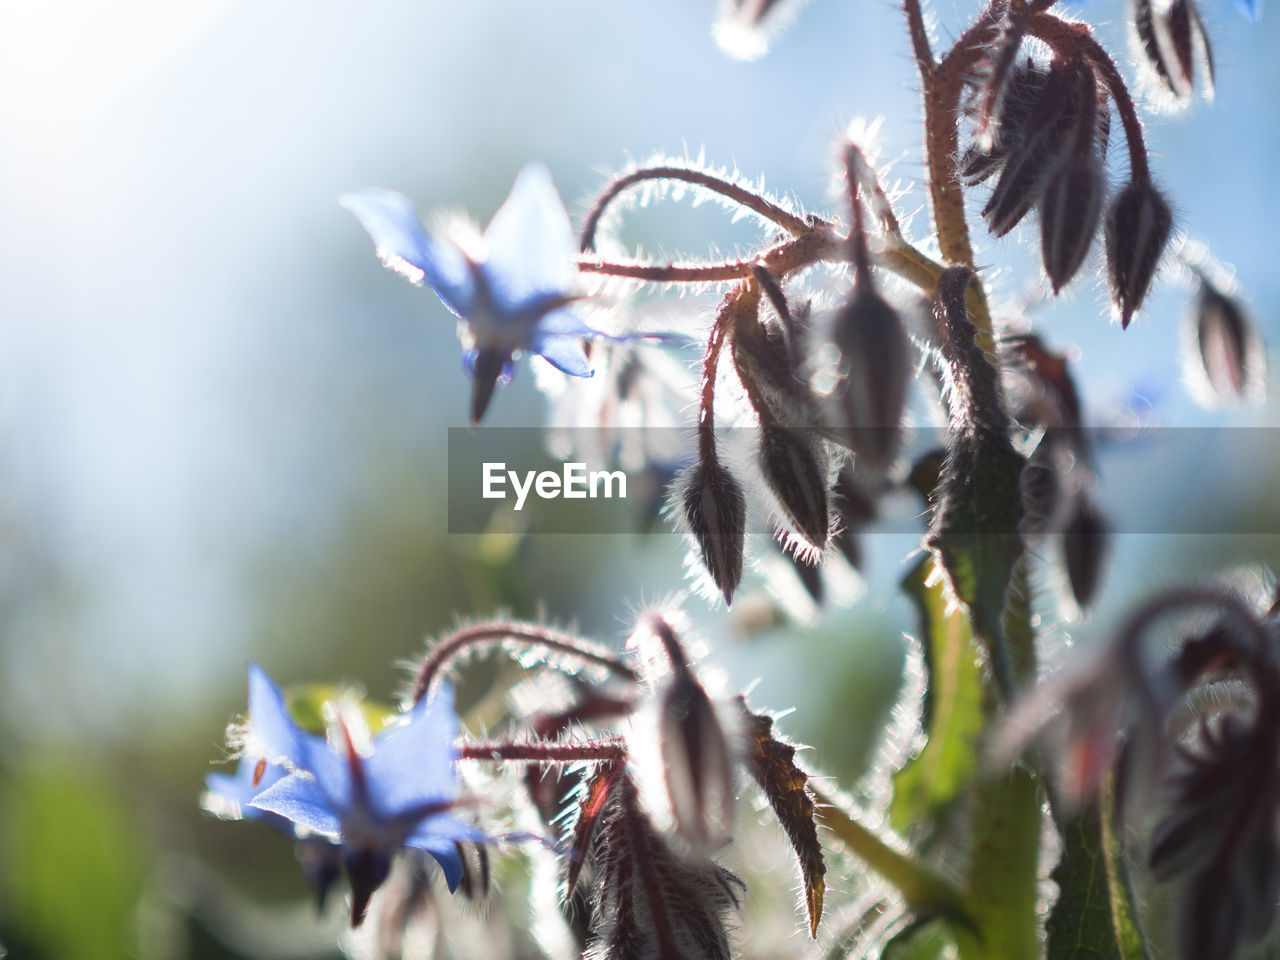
(192, 332)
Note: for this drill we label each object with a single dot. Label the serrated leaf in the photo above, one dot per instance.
(787, 787)
(978, 503)
(953, 707)
(1093, 917)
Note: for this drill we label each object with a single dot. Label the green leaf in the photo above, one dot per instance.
(953, 714)
(1093, 917)
(978, 502)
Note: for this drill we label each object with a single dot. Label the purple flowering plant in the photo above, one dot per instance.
(1018, 811)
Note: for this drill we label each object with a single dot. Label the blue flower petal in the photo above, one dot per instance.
(565, 321)
(272, 735)
(530, 248)
(563, 353)
(403, 246)
(412, 764)
(300, 799)
(331, 772)
(437, 836)
(229, 796)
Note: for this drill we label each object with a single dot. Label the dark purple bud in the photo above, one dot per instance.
(1070, 211)
(1210, 921)
(1067, 101)
(1020, 96)
(1227, 348)
(1171, 40)
(794, 466)
(489, 369)
(875, 369)
(1137, 230)
(715, 508)
(367, 869)
(1084, 548)
(697, 763)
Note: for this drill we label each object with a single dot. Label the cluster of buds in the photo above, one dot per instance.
(1197, 736)
(1044, 130)
(811, 439)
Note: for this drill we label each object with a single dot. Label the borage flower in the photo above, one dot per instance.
(369, 795)
(510, 288)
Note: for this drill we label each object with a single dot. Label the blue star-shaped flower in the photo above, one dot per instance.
(368, 796)
(372, 799)
(511, 288)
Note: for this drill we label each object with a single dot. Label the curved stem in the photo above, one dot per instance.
(942, 89)
(766, 209)
(815, 244)
(707, 390)
(440, 656)
(1064, 35)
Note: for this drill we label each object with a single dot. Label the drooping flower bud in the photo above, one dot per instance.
(1022, 90)
(875, 369)
(715, 508)
(1067, 100)
(1084, 548)
(1226, 350)
(1069, 215)
(697, 763)
(1137, 230)
(1171, 39)
(794, 466)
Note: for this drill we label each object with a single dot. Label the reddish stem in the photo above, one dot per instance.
(440, 656)
(1065, 36)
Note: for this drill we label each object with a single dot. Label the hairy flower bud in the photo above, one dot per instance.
(1022, 90)
(697, 763)
(1069, 214)
(1084, 548)
(875, 368)
(1227, 352)
(1067, 100)
(1137, 230)
(715, 508)
(794, 466)
(1171, 39)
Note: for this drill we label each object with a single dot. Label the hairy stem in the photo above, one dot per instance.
(544, 751)
(919, 38)
(815, 244)
(739, 194)
(454, 645)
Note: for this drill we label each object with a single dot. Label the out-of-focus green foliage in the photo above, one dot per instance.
(75, 858)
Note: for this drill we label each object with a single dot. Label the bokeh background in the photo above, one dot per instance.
(223, 425)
